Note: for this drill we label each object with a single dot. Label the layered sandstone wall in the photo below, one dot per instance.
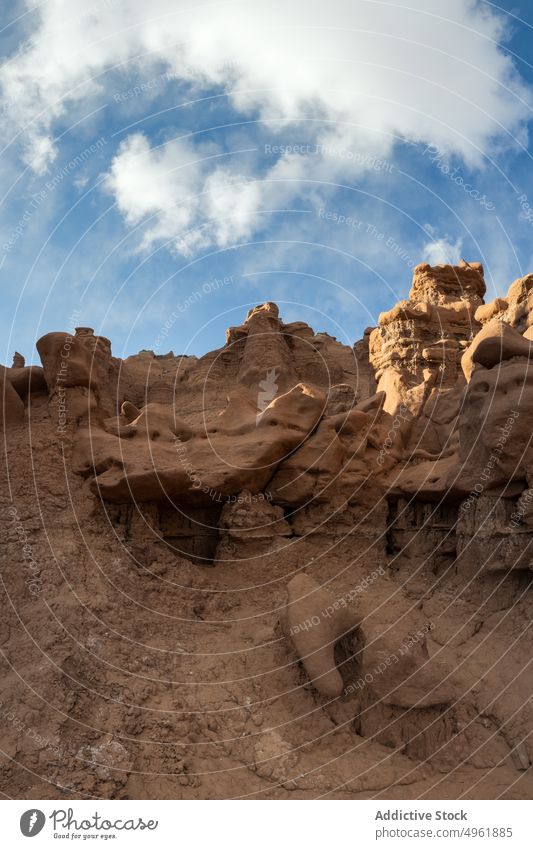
(305, 560)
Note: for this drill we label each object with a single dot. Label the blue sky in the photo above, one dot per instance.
(181, 165)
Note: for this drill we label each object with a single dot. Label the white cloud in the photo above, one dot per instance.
(441, 251)
(370, 72)
(39, 153)
(432, 72)
(177, 195)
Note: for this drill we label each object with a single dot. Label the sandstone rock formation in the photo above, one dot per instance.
(419, 342)
(315, 622)
(16, 384)
(12, 404)
(156, 457)
(382, 492)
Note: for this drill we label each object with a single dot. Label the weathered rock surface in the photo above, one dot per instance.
(419, 342)
(315, 623)
(374, 499)
(157, 457)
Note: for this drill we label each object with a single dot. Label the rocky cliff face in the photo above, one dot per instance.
(286, 568)
(418, 344)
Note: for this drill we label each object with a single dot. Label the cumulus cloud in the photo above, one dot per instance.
(378, 68)
(442, 251)
(357, 72)
(179, 196)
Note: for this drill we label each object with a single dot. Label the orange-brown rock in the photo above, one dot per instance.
(16, 384)
(157, 457)
(423, 338)
(377, 498)
(12, 405)
(67, 362)
(494, 425)
(251, 527)
(495, 343)
(335, 461)
(515, 308)
(314, 624)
